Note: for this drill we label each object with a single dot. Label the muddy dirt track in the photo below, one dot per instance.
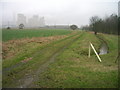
(28, 80)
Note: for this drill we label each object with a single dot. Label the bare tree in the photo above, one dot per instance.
(8, 27)
(94, 21)
(73, 27)
(21, 26)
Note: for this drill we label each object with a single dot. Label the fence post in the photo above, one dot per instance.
(95, 52)
(89, 51)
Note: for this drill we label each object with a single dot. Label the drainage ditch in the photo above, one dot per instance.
(104, 49)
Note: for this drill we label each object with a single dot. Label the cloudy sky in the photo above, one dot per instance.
(59, 11)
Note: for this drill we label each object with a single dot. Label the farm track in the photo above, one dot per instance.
(40, 51)
(28, 81)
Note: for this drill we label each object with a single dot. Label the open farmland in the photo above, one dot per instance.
(29, 33)
(57, 59)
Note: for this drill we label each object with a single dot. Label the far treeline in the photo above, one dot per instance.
(109, 25)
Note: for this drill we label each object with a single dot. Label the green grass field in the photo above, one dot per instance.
(61, 62)
(17, 33)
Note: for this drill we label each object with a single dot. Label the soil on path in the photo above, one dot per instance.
(29, 80)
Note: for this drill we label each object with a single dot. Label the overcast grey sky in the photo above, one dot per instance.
(59, 11)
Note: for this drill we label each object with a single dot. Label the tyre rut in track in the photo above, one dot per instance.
(51, 60)
(19, 64)
(27, 81)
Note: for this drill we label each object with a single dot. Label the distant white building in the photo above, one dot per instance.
(42, 22)
(119, 8)
(21, 19)
(35, 21)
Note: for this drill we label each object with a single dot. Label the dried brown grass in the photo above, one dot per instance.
(12, 47)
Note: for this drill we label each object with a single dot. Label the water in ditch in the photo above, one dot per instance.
(103, 49)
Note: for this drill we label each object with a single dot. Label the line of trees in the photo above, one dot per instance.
(108, 25)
